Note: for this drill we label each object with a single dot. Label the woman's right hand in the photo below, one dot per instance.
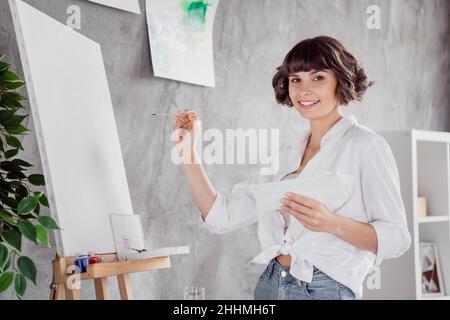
(202, 190)
(186, 123)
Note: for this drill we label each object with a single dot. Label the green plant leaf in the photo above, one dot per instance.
(11, 153)
(4, 66)
(10, 166)
(6, 186)
(16, 175)
(41, 235)
(27, 204)
(28, 229)
(48, 222)
(27, 267)
(11, 104)
(15, 184)
(43, 200)
(5, 115)
(13, 121)
(10, 202)
(14, 142)
(6, 279)
(4, 256)
(10, 80)
(8, 263)
(17, 130)
(6, 217)
(36, 179)
(21, 192)
(38, 194)
(37, 209)
(19, 162)
(9, 76)
(13, 238)
(11, 100)
(20, 285)
(28, 216)
(13, 96)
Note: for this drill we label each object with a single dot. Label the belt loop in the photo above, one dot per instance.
(303, 284)
(271, 267)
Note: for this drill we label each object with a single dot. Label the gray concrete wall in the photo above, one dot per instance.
(409, 58)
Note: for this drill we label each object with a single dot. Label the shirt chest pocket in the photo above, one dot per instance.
(334, 189)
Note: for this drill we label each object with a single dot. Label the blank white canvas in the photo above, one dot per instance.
(181, 44)
(75, 128)
(127, 5)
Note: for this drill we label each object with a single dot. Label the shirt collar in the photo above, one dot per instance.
(335, 132)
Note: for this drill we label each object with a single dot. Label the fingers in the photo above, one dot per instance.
(298, 207)
(180, 121)
(306, 220)
(185, 120)
(192, 115)
(308, 202)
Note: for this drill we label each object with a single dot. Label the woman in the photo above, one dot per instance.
(312, 252)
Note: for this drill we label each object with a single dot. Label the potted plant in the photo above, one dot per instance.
(19, 204)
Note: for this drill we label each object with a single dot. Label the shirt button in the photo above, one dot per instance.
(283, 274)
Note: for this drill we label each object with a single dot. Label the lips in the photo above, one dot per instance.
(308, 103)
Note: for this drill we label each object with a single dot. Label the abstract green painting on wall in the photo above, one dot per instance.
(180, 34)
(194, 14)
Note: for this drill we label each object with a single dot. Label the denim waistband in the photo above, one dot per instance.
(274, 269)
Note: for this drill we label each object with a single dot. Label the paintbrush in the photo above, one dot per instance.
(165, 114)
(171, 114)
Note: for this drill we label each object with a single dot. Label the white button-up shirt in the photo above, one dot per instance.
(346, 149)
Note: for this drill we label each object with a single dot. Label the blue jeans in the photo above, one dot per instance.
(276, 283)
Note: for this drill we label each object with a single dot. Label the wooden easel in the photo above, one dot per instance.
(100, 272)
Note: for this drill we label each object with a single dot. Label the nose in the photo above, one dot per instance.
(303, 91)
(304, 94)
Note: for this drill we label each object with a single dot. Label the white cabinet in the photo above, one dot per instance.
(423, 161)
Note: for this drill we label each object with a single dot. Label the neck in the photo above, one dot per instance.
(319, 127)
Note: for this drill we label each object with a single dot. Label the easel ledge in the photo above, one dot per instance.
(100, 272)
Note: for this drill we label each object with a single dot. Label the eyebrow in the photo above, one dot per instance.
(311, 73)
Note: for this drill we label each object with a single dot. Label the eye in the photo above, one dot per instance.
(294, 80)
(319, 78)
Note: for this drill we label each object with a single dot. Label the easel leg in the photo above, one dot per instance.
(57, 288)
(60, 292)
(72, 294)
(57, 293)
(101, 288)
(125, 287)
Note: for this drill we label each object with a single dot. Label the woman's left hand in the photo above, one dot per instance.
(311, 213)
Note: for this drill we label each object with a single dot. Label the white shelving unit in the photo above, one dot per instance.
(423, 161)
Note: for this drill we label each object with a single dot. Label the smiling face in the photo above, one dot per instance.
(313, 93)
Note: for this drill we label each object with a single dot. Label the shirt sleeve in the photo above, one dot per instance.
(383, 201)
(228, 214)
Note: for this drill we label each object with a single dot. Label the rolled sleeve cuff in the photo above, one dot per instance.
(392, 241)
(215, 219)
(380, 230)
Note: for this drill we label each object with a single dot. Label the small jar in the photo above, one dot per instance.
(93, 258)
(82, 261)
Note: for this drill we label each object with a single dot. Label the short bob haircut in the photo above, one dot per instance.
(322, 53)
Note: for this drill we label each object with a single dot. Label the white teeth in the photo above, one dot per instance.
(308, 103)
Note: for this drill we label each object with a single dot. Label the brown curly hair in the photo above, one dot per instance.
(322, 53)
